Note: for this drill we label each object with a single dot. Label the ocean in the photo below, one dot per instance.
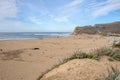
(30, 35)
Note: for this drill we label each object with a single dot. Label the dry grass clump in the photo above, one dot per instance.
(114, 74)
(97, 54)
(82, 55)
(111, 53)
(117, 46)
(102, 33)
(115, 35)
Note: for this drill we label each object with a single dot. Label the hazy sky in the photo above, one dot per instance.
(55, 15)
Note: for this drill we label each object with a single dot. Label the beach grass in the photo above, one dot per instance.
(114, 74)
(117, 46)
(96, 54)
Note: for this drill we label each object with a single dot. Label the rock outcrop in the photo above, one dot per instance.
(98, 28)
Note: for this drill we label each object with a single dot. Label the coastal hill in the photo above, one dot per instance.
(98, 28)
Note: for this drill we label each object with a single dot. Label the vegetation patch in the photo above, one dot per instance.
(97, 54)
(113, 75)
(81, 55)
(117, 46)
(116, 35)
(102, 33)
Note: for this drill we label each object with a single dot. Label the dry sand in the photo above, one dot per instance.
(19, 60)
(82, 69)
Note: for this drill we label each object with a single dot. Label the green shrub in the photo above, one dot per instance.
(102, 34)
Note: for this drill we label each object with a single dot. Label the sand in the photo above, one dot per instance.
(82, 69)
(28, 59)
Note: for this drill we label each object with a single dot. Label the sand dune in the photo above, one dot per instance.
(82, 69)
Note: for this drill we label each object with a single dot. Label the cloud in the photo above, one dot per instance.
(34, 11)
(74, 3)
(61, 19)
(68, 10)
(35, 20)
(104, 8)
(71, 8)
(37, 6)
(19, 26)
(8, 8)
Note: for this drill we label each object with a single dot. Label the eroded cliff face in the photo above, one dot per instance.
(98, 28)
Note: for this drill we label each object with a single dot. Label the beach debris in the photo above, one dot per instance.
(35, 49)
(114, 42)
(1, 49)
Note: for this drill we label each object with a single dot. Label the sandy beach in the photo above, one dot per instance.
(59, 39)
(28, 59)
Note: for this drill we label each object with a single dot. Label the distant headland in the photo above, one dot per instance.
(108, 28)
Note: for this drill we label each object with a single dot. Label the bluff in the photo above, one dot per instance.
(98, 28)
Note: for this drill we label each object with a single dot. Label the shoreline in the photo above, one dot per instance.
(33, 38)
(31, 35)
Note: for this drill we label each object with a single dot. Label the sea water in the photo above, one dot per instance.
(31, 35)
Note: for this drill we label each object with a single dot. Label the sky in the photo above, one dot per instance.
(55, 15)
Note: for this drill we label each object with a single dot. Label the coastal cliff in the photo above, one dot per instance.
(98, 28)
